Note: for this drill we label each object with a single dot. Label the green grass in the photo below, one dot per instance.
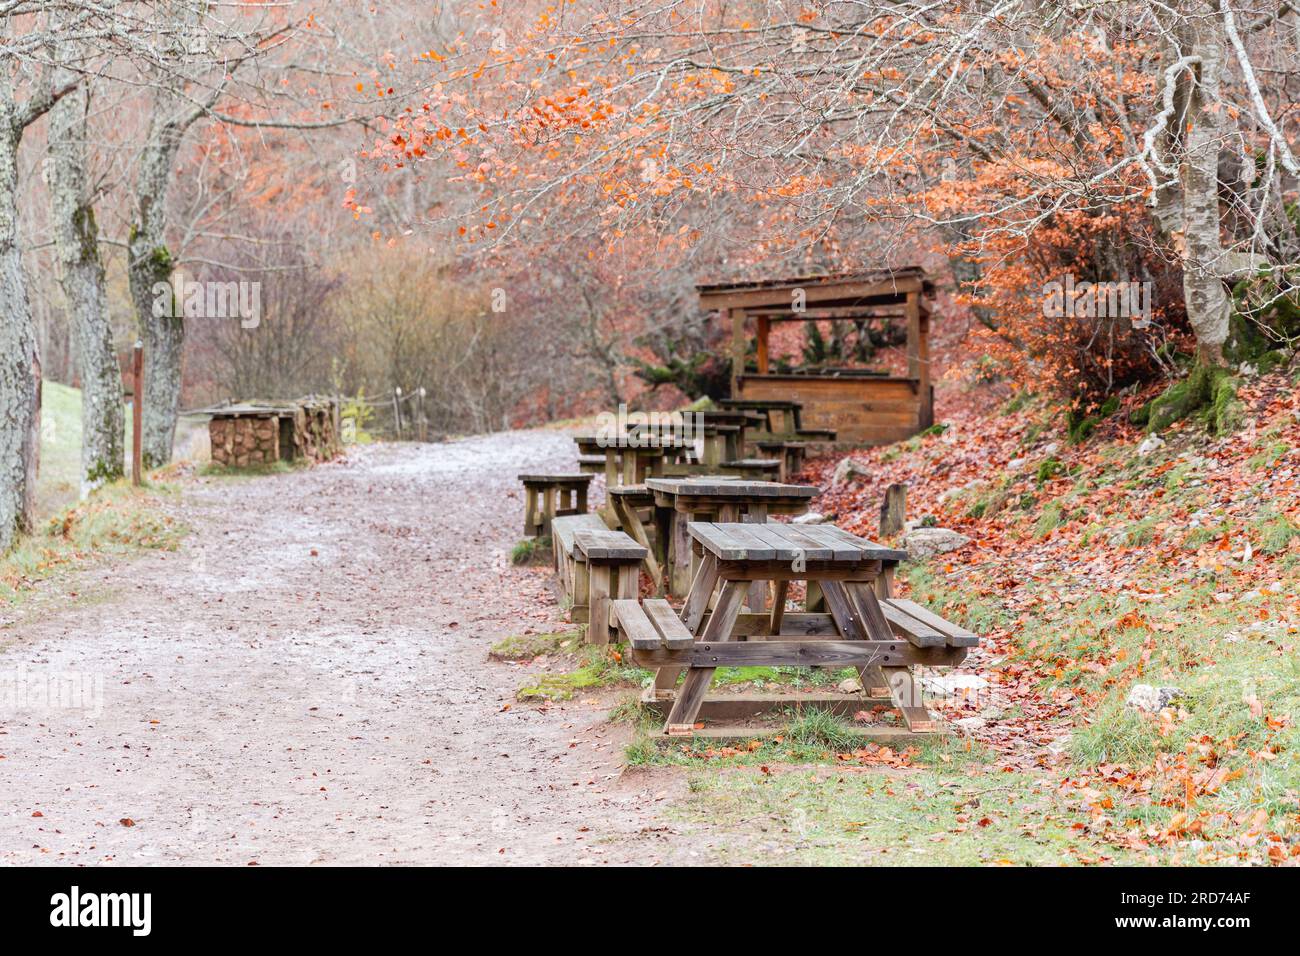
(115, 519)
(216, 470)
(525, 647)
(532, 551)
(820, 816)
(58, 481)
(599, 666)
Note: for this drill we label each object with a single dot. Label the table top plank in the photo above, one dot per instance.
(715, 486)
(609, 546)
(879, 552)
(751, 542)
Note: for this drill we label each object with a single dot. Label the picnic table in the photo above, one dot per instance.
(724, 497)
(628, 459)
(864, 627)
(783, 419)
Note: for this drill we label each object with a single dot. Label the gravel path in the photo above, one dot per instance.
(306, 681)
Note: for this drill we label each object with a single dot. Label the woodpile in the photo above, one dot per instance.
(254, 434)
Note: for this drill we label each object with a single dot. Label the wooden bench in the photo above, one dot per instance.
(649, 625)
(759, 469)
(790, 453)
(563, 530)
(591, 464)
(606, 564)
(546, 497)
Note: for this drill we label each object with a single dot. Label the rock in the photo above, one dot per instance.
(850, 685)
(922, 543)
(811, 517)
(958, 492)
(954, 685)
(1149, 444)
(1015, 464)
(970, 723)
(1051, 448)
(847, 470)
(1151, 700)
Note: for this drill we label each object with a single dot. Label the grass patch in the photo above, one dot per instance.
(923, 817)
(216, 470)
(115, 519)
(1274, 532)
(599, 666)
(1049, 520)
(525, 647)
(532, 551)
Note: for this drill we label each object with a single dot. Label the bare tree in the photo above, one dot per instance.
(76, 240)
(20, 367)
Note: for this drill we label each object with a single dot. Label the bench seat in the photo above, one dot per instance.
(609, 564)
(924, 628)
(650, 624)
(753, 467)
(547, 496)
(563, 530)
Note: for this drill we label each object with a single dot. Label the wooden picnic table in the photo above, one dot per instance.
(723, 497)
(789, 412)
(864, 627)
(783, 419)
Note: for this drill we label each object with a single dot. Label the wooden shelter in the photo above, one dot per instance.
(863, 407)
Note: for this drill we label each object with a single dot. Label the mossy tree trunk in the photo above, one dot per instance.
(1209, 306)
(20, 364)
(76, 241)
(149, 272)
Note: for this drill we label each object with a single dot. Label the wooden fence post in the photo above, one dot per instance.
(893, 510)
(397, 411)
(424, 419)
(137, 413)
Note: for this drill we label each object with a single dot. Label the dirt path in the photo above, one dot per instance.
(306, 681)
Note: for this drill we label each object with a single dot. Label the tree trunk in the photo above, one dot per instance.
(1208, 304)
(76, 239)
(149, 271)
(20, 378)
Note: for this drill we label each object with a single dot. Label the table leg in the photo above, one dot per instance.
(629, 518)
(780, 590)
(756, 514)
(550, 503)
(530, 510)
(855, 625)
(899, 681)
(681, 719)
(681, 554)
(611, 467)
(598, 578)
(697, 603)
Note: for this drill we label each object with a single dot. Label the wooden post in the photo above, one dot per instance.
(764, 326)
(923, 351)
(137, 414)
(893, 510)
(737, 348)
(918, 358)
(424, 420)
(397, 411)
